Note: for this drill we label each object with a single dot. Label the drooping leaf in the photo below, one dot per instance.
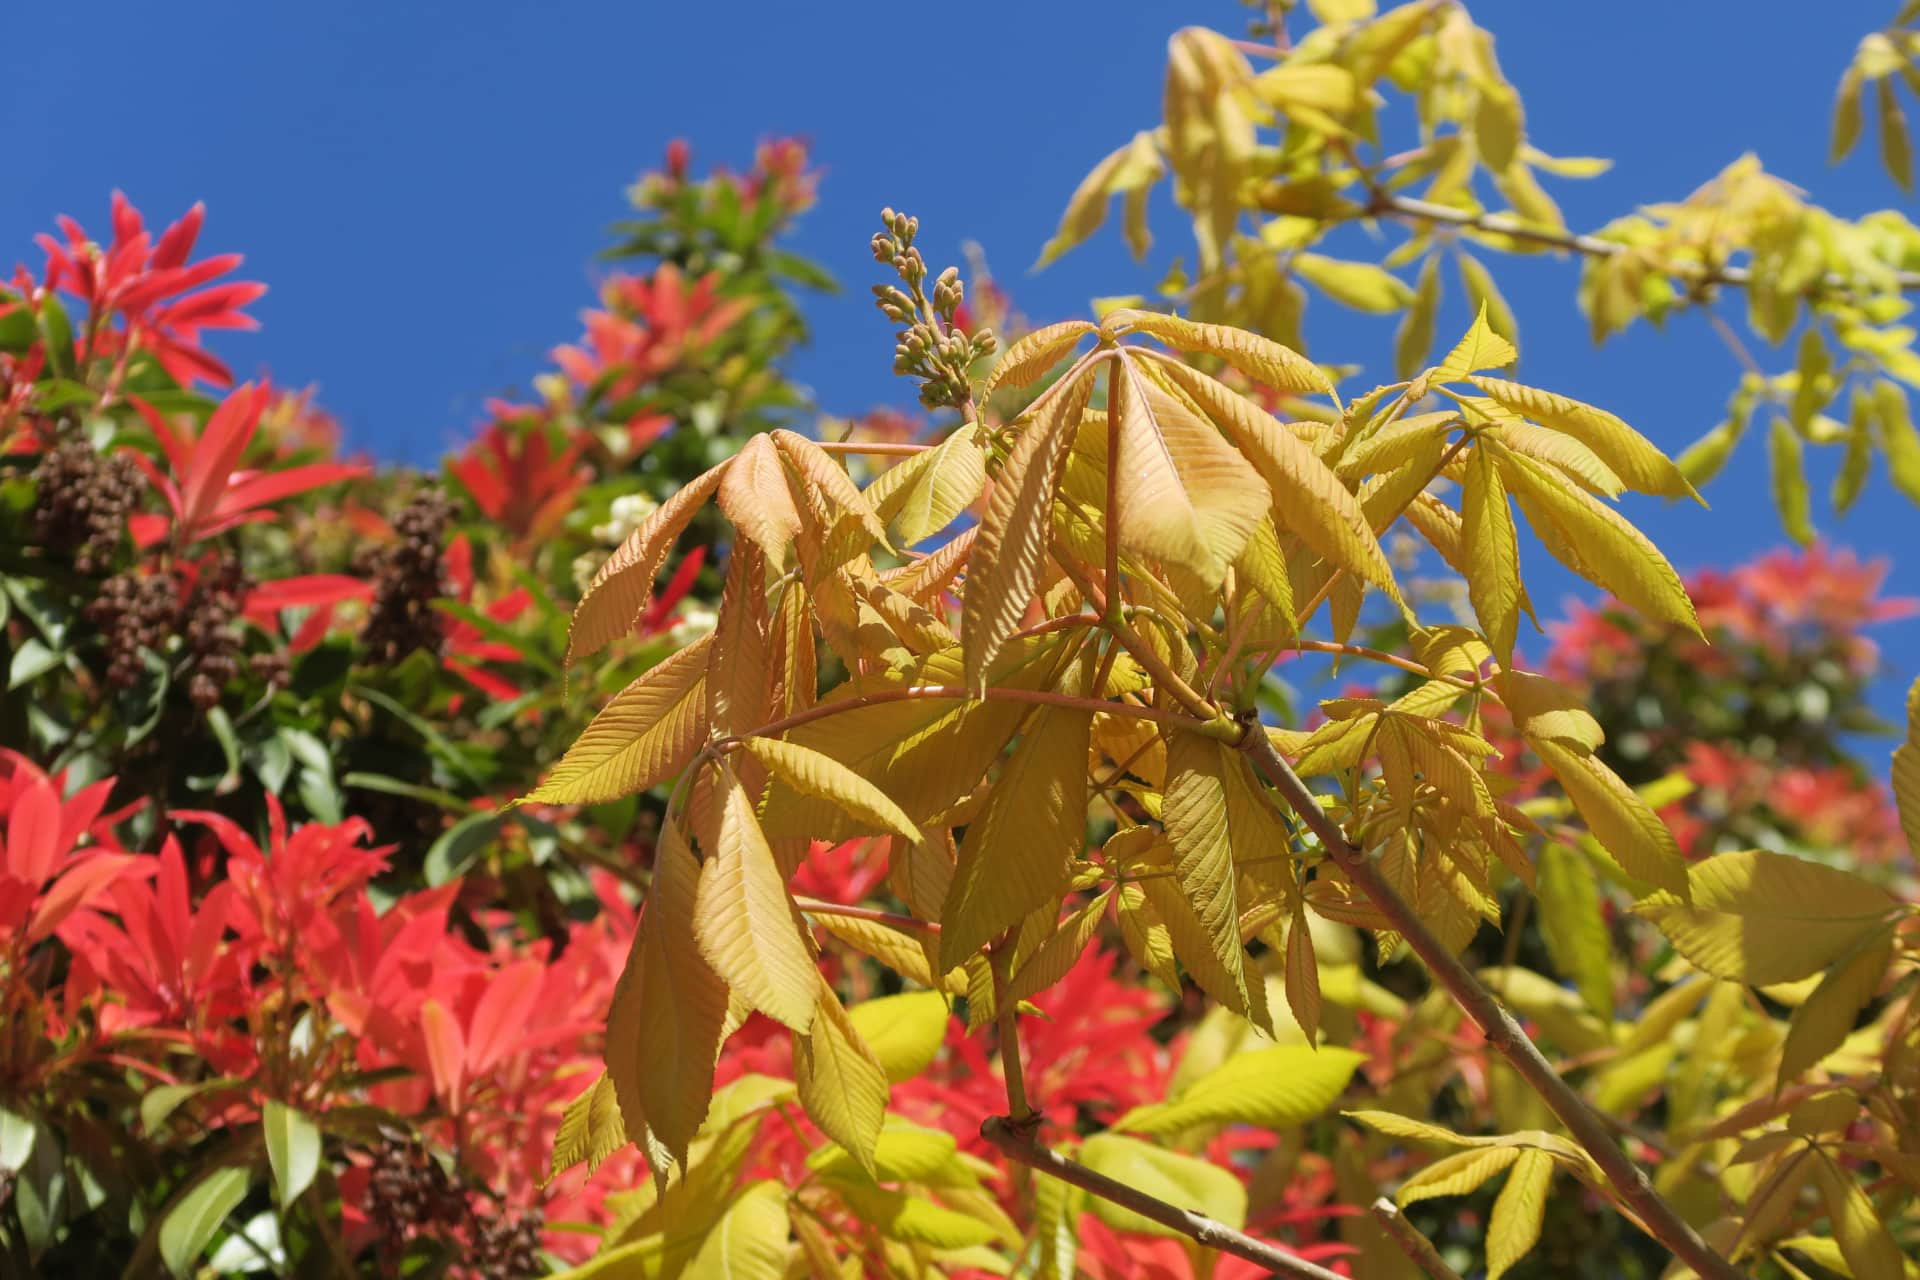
(1630, 455)
(1413, 340)
(1015, 854)
(842, 1083)
(1790, 493)
(1261, 359)
(1763, 918)
(590, 1128)
(1827, 1016)
(191, 1222)
(1514, 1228)
(1035, 353)
(1051, 959)
(1869, 1249)
(1179, 1179)
(904, 1031)
(1630, 831)
(1573, 927)
(1492, 551)
(756, 497)
(744, 919)
(646, 734)
(620, 591)
(821, 775)
(664, 1031)
(293, 1149)
(1198, 809)
(749, 1242)
(1360, 285)
(1906, 773)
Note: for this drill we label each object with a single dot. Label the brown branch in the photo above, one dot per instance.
(1416, 1246)
(1019, 1145)
(1629, 1182)
(1410, 208)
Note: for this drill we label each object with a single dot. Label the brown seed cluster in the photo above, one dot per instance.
(135, 611)
(408, 576)
(138, 611)
(82, 501)
(409, 1194)
(212, 638)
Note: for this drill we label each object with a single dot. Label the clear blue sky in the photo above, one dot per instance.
(424, 184)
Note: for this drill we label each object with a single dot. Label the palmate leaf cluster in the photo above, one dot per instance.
(1047, 710)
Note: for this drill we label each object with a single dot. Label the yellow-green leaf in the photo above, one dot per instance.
(745, 921)
(1870, 1251)
(1906, 773)
(1630, 831)
(1456, 1175)
(590, 1128)
(1183, 1180)
(750, 1240)
(1482, 348)
(1762, 918)
(1198, 824)
(1825, 1018)
(1514, 1227)
(1360, 285)
(1413, 340)
(815, 774)
(1896, 148)
(1594, 541)
(922, 495)
(904, 1031)
(842, 1083)
(1626, 452)
(1052, 958)
(1131, 171)
(1274, 1088)
(1573, 926)
(1790, 493)
(1492, 551)
(1846, 116)
(1015, 854)
(192, 1220)
(646, 734)
(1898, 437)
(1482, 291)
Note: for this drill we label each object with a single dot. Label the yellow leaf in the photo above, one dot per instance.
(815, 774)
(1184, 1180)
(646, 734)
(1544, 708)
(1514, 1228)
(842, 1084)
(1274, 1088)
(1497, 126)
(590, 1128)
(1359, 285)
(1906, 773)
(1201, 804)
(750, 1240)
(1762, 918)
(904, 1031)
(922, 495)
(1790, 492)
(1621, 821)
(756, 497)
(739, 677)
(1898, 438)
(1827, 1016)
(664, 1031)
(1035, 353)
(1131, 171)
(1317, 87)
(1492, 552)
(1625, 451)
(745, 921)
(621, 590)
(1303, 974)
(1051, 959)
(1309, 499)
(1261, 359)
(1482, 291)
(1595, 542)
(901, 952)
(1186, 496)
(1456, 1175)
(1145, 935)
(1482, 348)
(1016, 853)
(1413, 340)
(1573, 926)
(1193, 947)
(1332, 12)
(1870, 1251)
(1012, 542)
(1896, 148)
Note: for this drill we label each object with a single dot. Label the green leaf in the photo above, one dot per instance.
(1790, 493)
(913, 1219)
(293, 1149)
(16, 1140)
(190, 1224)
(1359, 285)
(1272, 1088)
(459, 847)
(842, 1084)
(750, 1240)
(1573, 926)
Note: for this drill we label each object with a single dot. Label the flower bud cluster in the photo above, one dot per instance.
(932, 347)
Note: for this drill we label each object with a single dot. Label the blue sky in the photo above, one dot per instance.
(424, 184)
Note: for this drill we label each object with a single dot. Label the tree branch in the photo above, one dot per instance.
(1019, 1145)
(1412, 209)
(1416, 1246)
(1629, 1182)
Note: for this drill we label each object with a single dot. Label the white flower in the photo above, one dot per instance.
(695, 622)
(628, 512)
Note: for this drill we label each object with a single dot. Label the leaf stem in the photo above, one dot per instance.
(1006, 1013)
(883, 448)
(959, 693)
(892, 919)
(1630, 1182)
(1020, 1145)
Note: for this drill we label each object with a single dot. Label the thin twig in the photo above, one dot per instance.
(1019, 1145)
(1413, 209)
(1416, 1246)
(1630, 1182)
